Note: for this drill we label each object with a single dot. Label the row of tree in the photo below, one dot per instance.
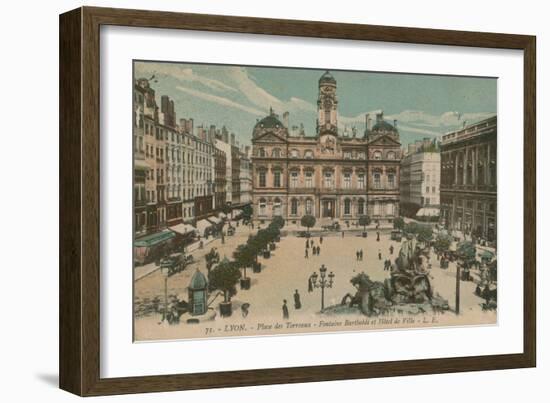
(227, 273)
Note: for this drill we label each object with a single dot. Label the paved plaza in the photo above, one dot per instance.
(288, 270)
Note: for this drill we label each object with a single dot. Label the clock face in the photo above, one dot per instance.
(327, 90)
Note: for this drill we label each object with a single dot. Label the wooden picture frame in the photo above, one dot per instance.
(79, 346)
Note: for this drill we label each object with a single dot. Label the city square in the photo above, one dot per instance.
(288, 270)
(310, 219)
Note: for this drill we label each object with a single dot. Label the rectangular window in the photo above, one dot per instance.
(391, 180)
(309, 204)
(309, 179)
(294, 179)
(347, 181)
(262, 179)
(376, 178)
(361, 181)
(328, 180)
(277, 179)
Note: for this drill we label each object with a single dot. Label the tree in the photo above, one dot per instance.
(244, 257)
(247, 211)
(308, 221)
(224, 277)
(364, 220)
(424, 233)
(212, 258)
(399, 223)
(278, 221)
(442, 242)
(466, 251)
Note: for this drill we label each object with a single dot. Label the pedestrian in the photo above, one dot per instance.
(379, 255)
(318, 250)
(307, 254)
(357, 255)
(391, 249)
(297, 302)
(361, 254)
(321, 239)
(285, 310)
(307, 243)
(377, 236)
(342, 234)
(309, 285)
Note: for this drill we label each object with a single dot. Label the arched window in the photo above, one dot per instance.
(377, 179)
(294, 153)
(347, 207)
(262, 207)
(261, 152)
(276, 152)
(377, 155)
(294, 207)
(308, 154)
(391, 155)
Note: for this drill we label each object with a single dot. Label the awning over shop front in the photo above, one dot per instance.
(202, 225)
(428, 212)
(214, 220)
(182, 229)
(154, 239)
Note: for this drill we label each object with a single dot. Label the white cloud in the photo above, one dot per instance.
(222, 101)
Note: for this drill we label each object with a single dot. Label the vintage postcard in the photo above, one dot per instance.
(275, 200)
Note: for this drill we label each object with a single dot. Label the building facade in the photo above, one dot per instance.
(219, 178)
(469, 179)
(328, 175)
(420, 179)
(245, 177)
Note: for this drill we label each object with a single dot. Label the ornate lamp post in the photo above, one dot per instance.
(320, 281)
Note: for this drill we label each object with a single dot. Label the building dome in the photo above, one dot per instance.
(198, 281)
(269, 122)
(327, 78)
(383, 126)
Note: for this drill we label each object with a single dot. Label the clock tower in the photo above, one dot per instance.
(327, 105)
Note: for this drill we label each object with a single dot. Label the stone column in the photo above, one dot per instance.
(456, 168)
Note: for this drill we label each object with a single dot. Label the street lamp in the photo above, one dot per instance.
(320, 281)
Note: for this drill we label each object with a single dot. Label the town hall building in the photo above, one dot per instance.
(333, 175)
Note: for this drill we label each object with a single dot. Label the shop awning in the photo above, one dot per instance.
(202, 225)
(182, 229)
(428, 212)
(214, 220)
(154, 239)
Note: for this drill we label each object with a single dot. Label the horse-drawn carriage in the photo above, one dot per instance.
(175, 263)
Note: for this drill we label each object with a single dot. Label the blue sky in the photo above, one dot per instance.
(235, 96)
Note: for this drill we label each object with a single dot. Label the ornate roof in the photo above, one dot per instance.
(383, 126)
(198, 281)
(269, 122)
(327, 78)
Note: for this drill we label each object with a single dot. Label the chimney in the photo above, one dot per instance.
(285, 119)
(369, 124)
(232, 139)
(367, 121)
(379, 117)
(395, 123)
